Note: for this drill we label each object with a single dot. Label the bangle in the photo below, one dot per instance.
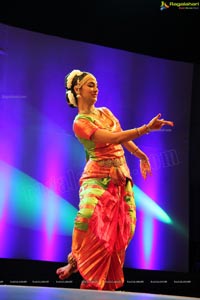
(147, 129)
(138, 132)
(144, 159)
(135, 150)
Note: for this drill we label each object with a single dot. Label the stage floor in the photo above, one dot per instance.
(10, 292)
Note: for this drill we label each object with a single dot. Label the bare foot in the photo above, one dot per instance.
(65, 272)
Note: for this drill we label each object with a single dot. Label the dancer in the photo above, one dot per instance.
(106, 220)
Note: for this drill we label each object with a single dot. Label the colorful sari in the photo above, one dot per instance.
(105, 222)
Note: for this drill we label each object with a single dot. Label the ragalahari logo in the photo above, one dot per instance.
(179, 5)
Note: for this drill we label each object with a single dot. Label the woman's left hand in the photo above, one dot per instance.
(145, 167)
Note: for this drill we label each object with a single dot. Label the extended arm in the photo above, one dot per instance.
(125, 138)
(105, 136)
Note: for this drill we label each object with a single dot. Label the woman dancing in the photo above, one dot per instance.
(106, 220)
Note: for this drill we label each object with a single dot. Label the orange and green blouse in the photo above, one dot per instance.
(103, 159)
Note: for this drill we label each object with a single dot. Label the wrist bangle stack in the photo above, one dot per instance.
(135, 150)
(138, 132)
(147, 129)
(144, 159)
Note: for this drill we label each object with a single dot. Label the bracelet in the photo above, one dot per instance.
(138, 132)
(144, 159)
(147, 128)
(135, 150)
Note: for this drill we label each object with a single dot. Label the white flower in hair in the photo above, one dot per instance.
(71, 98)
(71, 77)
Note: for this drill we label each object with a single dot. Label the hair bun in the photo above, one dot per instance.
(69, 78)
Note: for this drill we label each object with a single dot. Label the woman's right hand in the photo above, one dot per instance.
(156, 123)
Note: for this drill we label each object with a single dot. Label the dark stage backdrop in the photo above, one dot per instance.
(41, 160)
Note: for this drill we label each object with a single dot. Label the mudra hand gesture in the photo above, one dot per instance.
(156, 123)
(145, 167)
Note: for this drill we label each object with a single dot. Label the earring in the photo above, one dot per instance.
(77, 95)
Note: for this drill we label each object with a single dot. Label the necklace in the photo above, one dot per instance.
(103, 117)
(94, 112)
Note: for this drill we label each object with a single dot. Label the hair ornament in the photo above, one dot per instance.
(71, 98)
(71, 76)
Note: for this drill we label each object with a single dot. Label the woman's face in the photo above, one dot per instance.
(89, 91)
